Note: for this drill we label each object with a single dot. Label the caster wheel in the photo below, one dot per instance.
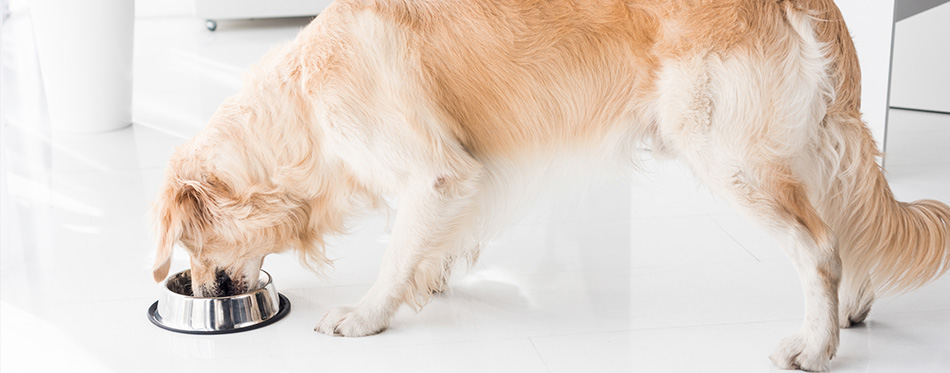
(211, 25)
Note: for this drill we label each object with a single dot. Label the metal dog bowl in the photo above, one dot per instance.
(177, 310)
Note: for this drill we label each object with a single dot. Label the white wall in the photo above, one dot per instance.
(164, 8)
(871, 26)
(921, 75)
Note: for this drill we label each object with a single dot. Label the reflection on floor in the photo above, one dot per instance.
(649, 273)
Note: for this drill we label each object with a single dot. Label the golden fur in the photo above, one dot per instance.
(449, 105)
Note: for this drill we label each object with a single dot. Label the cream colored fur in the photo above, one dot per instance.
(456, 106)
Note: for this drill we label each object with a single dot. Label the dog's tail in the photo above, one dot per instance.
(886, 246)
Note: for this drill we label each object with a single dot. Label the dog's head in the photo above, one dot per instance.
(226, 223)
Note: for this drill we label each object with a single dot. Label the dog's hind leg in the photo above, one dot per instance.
(741, 137)
(780, 202)
(433, 212)
(773, 197)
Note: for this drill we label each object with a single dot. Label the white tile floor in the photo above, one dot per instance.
(608, 280)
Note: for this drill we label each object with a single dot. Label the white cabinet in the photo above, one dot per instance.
(214, 10)
(920, 78)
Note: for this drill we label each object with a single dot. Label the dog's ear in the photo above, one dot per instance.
(167, 232)
(163, 258)
(185, 204)
(193, 206)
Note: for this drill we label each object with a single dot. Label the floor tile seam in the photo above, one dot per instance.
(646, 329)
(324, 287)
(634, 269)
(338, 348)
(724, 230)
(542, 273)
(647, 218)
(707, 325)
(621, 269)
(448, 342)
(885, 313)
(602, 220)
(159, 128)
(734, 214)
(538, 353)
(45, 305)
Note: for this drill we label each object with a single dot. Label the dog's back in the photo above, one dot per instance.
(514, 77)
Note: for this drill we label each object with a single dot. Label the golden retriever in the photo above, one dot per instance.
(446, 103)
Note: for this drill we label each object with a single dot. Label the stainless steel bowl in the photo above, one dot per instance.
(177, 310)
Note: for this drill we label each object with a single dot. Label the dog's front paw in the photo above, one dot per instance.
(350, 322)
(794, 353)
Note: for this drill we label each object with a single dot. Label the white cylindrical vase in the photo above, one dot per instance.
(85, 55)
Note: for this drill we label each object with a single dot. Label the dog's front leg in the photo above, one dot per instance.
(430, 218)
